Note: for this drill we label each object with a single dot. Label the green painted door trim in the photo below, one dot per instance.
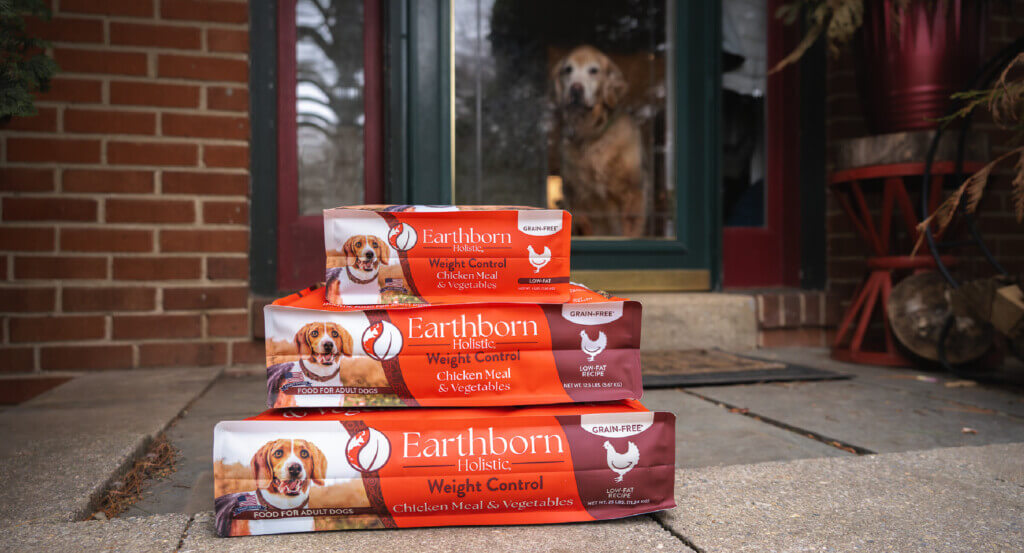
(419, 133)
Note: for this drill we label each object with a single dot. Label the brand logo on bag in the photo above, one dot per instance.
(368, 450)
(621, 463)
(382, 341)
(592, 348)
(402, 237)
(539, 259)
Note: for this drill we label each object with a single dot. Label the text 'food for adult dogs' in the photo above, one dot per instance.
(480, 354)
(422, 254)
(334, 469)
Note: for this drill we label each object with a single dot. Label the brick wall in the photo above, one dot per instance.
(1003, 234)
(124, 229)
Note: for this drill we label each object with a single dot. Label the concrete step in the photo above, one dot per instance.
(61, 449)
(689, 320)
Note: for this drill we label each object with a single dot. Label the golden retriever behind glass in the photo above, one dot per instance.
(605, 184)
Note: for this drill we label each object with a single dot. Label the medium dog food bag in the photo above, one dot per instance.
(421, 254)
(307, 470)
(453, 355)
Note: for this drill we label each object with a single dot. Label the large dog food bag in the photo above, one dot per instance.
(421, 254)
(305, 470)
(452, 355)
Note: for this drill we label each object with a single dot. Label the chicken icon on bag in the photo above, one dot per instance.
(621, 463)
(539, 260)
(593, 348)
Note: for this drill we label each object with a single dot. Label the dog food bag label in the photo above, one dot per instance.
(453, 355)
(304, 470)
(424, 254)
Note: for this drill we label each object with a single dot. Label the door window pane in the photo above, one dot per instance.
(566, 104)
(329, 103)
(744, 44)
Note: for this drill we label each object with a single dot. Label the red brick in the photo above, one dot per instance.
(139, 8)
(227, 40)
(49, 209)
(150, 211)
(157, 326)
(105, 240)
(151, 153)
(227, 268)
(205, 126)
(45, 120)
(227, 324)
(220, 184)
(204, 241)
(161, 36)
(227, 98)
(109, 299)
(180, 354)
(42, 150)
(27, 239)
(61, 267)
(203, 68)
(789, 337)
(230, 213)
(226, 156)
(109, 122)
(80, 91)
(17, 360)
(100, 357)
(25, 180)
(56, 329)
(66, 29)
(790, 310)
(259, 327)
(248, 352)
(771, 314)
(27, 300)
(207, 297)
(104, 181)
(157, 268)
(205, 10)
(132, 93)
(100, 61)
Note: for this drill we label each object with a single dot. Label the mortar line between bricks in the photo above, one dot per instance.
(838, 444)
(184, 532)
(686, 541)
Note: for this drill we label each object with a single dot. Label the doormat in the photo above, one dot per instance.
(699, 367)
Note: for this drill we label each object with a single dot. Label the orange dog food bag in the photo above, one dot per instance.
(421, 254)
(308, 470)
(452, 355)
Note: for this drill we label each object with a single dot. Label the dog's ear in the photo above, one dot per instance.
(319, 464)
(349, 252)
(556, 80)
(261, 466)
(334, 291)
(385, 252)
(301, 347)
(615, 85)
(346, 341)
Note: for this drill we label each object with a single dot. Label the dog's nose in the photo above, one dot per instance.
(368, 255)
(328, 346)
(294, 469)
(576, 93)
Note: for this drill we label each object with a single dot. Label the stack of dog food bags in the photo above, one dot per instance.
(447, 373)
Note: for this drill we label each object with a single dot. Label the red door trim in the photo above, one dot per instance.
(770, 255)
(300, 240)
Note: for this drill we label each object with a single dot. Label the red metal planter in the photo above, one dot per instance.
(909, 62)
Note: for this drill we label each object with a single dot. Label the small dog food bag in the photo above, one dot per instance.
(307, 470)
(452, 355)
(422, 254)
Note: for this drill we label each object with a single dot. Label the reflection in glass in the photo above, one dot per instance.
(329, 103)
(592, 138)
(744, 38)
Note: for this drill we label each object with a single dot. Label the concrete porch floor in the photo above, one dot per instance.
(757, 469)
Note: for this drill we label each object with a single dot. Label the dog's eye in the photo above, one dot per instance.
(278, 454)
(304, 454)
(593, 71)
(567, 69)
(334, 333)
(315, 333)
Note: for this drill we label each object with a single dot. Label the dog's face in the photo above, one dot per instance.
(321, 345)
(586, 78)
(366, 252)
(288, 466)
